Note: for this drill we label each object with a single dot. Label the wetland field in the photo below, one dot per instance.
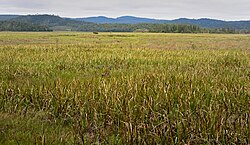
(124, 88)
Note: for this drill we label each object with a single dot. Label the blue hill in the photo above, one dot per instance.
(204, 22)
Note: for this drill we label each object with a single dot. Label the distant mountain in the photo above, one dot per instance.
(8, 17)
(212, 23)
(48, 20)
(51, 21)
(99, 20)
(121, 24)
(207, 23)
(119, 20)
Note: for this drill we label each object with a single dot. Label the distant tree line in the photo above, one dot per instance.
(154, 28)
(21, 26)
(50, 23)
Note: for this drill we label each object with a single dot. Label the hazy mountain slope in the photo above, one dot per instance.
(7, 17)
(208, 23)
(49, 20)
(130, 24)
(99, 19)
(119, 20)
(211, 23)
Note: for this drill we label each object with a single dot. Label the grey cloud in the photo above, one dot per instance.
(23, 4)
(167, 9)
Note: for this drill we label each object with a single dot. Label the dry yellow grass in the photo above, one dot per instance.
(124, 88)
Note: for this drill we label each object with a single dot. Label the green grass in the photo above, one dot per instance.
(124, 88)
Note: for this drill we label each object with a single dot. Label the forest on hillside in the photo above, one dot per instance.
(56, 23)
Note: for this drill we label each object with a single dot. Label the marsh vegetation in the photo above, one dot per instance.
(124, 88)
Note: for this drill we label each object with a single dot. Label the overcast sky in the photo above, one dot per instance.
(163, 9)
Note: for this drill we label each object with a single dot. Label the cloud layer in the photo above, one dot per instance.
(165, 9)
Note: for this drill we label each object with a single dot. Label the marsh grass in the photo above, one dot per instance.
(121, 88)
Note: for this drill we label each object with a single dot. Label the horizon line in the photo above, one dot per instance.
(91, 16)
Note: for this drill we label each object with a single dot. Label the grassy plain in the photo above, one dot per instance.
(124, 88)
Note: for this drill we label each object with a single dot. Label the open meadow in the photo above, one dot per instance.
(124, 88)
